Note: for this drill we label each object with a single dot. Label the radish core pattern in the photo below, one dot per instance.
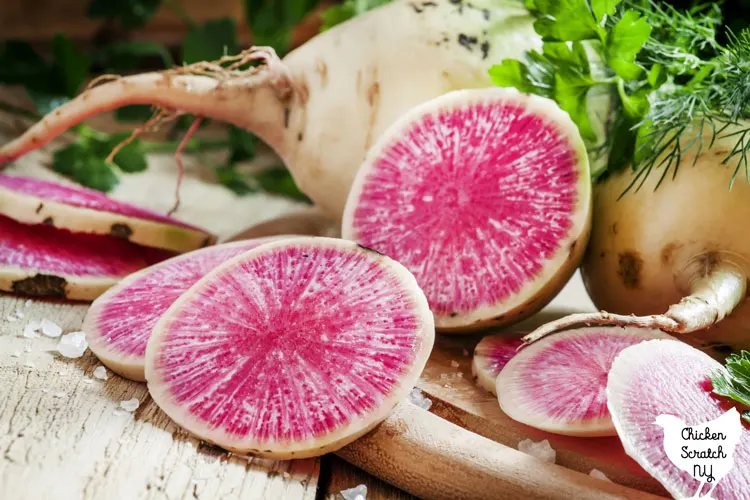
(301, 340)
(479, 196)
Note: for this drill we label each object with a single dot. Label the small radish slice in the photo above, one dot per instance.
(43, 261)
(119, 322)
(292, 349)
(669, 377)
(81, 210)
(558, 384)
(484, 195)
(491, 354)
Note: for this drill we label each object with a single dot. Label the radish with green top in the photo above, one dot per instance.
(329, 100)
(485, 196)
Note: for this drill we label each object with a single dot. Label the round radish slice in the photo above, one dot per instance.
(490, 356)
(43, 261)
(119, 322)
(671, 378)
(291, 350)
(558, 383)
(82, 210)
(489, 194)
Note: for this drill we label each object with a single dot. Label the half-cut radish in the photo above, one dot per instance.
(292, 349)
(558, 383)
(485, 196)
(491, 354)
(44, 261)
(119, 323)
(81, 210)
(669, 377)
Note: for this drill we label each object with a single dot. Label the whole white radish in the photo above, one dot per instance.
(326, 103)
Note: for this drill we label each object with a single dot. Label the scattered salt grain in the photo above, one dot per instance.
(31, 328)
(356, 493)
(16, 354)
(27, 303)
(59, 394)
(418, 398)
(27, 348)
(286, 475)
(460, 374)
(19, 314)
(466, 352)
(29, 364)
(454, 363)
(72, 345)
(11, 319)
(45, 390)
(100, 372)
(130, 405)
(599, 475)
(88, 381)
(50, 329)
(541, 450)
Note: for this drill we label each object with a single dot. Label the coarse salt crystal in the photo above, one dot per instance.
(27, 303)
(27, 348)
(541, 450)
(15, 354)
(45, 390)
(100, 372)
(11, 319)
(356, 493)
(454, 363)
(50, 329)
(72, 345)
(19, 314)
(29, 364)
(286, 475)
(418, 398)
(599, 475)
(130, 405)
(88, 381)
(29, 331)
(59, 394)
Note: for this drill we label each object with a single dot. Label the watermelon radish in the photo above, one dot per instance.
(292, 349)
(119, 322)
(491, 354)
(558, 384)
(485, 196)
(43, 261)
(36, 201)
(671, 378)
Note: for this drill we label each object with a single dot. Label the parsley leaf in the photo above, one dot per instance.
(603, 8)
(81, 164)
(565, 20)
(571, 90)
(734, 382)
(624, 41)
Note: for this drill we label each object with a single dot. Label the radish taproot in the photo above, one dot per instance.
(485, 196)
(558, 384)
(666, 381)
(491, 354)
(119, 322)
(310, 343)
(43, 261)
(330, 99)
(36, 201)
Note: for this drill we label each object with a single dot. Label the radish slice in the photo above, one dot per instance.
(668, 377)
(118, 324)
(43, 261)
(558, 384)
(485, 196)
(491, 354)
(81, 210)
(292, 349)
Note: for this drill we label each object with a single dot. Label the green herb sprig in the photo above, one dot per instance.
(734, 382)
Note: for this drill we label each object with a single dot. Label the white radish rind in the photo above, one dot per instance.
(491, 354)
(558, 383)
(669, 377)
(119, 322)
(81, 210)
(291, 350)
(489, 193)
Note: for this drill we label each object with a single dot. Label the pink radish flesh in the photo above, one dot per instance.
(487, 192)
(490, 356)
(30, 200)
(558, 384)
(310, 343)
(667, 377)
(45, 261)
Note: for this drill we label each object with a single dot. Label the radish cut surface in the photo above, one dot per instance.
(491, 354)
(292, 349)
(119, 323)
(43, 261)
(82, 210)
(669, 377)
(558, 384)
(484, 195)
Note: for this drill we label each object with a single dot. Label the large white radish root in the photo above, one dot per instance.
(332, 97)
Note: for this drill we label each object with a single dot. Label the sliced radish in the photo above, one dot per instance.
(292, 349)
(558, 383)
(485, 196)
(43, 261)
(119, 323)
(490, 356)
(668, 377)
(81, 210)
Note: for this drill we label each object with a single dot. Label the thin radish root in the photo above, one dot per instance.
(178, 158)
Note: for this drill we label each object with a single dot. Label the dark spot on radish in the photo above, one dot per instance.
(122, 231)
(485, 49)
(40, 207)
(368, 249)
(467, 42)
(486, 14)
(212, 450)
(629, 270)
(207, 241)
(572, 249)
(614, 228)
(667, 253)
(41, 285)
(58, 112)
(300, 136)
(49, 221)
(287, 112)
(708, 262)
(499, 317)
(453, 314)
(373, 94)
(601, 255)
